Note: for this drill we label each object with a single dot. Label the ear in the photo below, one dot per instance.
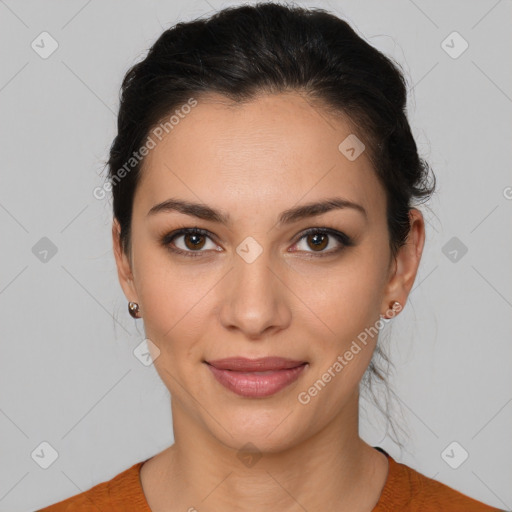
(124, 270)
(406, 263)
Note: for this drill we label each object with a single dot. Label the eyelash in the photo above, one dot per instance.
(345, 240)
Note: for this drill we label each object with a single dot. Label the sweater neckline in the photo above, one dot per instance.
(384, 503)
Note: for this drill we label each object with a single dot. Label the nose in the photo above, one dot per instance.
(255, 298)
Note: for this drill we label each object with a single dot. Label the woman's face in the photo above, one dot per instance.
(256, 285)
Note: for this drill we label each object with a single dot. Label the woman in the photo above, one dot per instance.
(263, 177)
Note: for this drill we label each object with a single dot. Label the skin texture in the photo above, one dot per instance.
(253, 161)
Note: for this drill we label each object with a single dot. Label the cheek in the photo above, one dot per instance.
(162, 292)
(172, 315)
(343, 301)
(175, 303)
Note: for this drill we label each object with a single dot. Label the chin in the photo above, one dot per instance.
(263, 431)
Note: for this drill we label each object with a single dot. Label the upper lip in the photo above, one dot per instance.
(242, 364)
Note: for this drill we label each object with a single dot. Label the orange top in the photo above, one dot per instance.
(405, 490)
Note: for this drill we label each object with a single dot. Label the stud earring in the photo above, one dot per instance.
(133, 309)
(395, 307)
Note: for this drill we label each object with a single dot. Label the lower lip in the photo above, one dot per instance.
(254, 384)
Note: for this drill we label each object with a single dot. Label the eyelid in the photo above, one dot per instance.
(342, 239)
(168, 239)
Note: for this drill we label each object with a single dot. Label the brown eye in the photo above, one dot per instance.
(194, 241)
(318, 241)
(314, 241)
(189, 242)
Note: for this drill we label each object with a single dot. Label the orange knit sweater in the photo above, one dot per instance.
(405, 490)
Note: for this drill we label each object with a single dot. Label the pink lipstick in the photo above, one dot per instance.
(256, 378)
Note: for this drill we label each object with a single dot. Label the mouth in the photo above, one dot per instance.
(256, 378)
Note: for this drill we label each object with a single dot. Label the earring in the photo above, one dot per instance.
(395, 307)
(133, 309)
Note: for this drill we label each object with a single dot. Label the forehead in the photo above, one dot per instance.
(274, 150)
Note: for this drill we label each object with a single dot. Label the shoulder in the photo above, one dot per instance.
(407, 489)
(106, 496)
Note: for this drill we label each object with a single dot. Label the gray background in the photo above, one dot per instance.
(68, 376)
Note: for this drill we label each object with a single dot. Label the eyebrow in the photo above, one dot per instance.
(205, 212)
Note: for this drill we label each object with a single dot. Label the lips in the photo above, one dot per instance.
(256, 378)
(242, 364)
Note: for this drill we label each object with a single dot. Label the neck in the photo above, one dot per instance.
(333, 466)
